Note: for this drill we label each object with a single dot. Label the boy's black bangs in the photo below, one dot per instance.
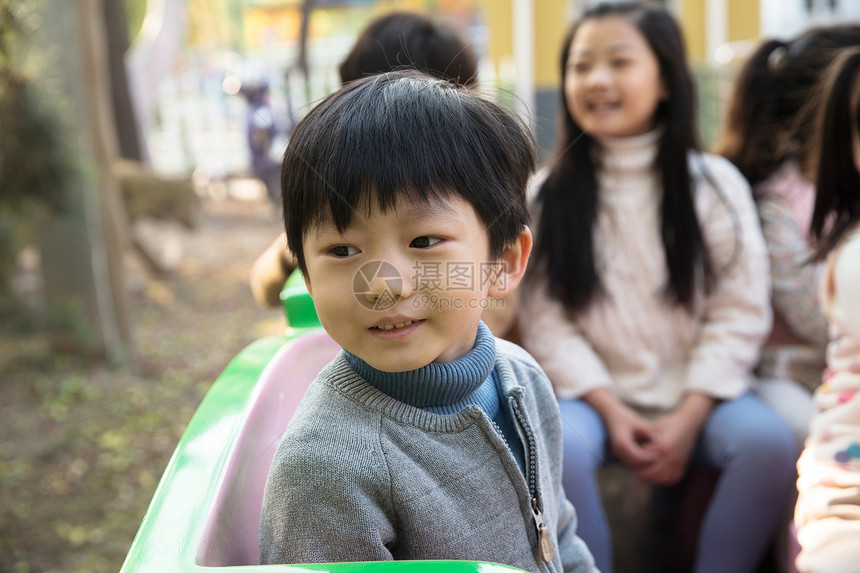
(391, 148)
(360, 200)
(405, 137)
(369, 179)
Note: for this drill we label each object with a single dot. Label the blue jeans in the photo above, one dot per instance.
(748, 443)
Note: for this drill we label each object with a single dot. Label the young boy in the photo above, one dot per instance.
(426, 438)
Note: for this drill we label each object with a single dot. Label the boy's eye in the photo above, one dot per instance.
(424, 242)
(343, 251)
(579, 67)
(621, 63)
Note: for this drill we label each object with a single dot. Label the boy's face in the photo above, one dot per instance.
(404, 288)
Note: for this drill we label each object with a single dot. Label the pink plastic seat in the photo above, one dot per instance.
(230, 534)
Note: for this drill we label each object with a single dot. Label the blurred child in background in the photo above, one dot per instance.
(767, 136)
(260, 132)
(828, 506)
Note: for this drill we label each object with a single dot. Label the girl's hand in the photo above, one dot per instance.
(673, 446)
(629, 433)
(631, 438)
(675, 439)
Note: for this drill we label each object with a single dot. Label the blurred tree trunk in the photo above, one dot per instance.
(82, 245)
(152, 54)
(304, 31)
(116, 28)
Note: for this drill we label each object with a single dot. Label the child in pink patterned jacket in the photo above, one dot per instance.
(828, 507)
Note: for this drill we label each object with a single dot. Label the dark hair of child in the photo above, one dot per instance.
(770, 115)
(403, 136)
(568, 198)
(402, 40)
(837, 200)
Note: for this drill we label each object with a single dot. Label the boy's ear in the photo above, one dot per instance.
(514, 261)
(308, 285)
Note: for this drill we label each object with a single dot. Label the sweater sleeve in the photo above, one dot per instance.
(795, 283)
(317, 511)
(571, 364)
(827, 514)
(736, 314)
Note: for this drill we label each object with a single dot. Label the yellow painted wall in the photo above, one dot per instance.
(692, 20)
(744, 20)
(550, 21)
(499, 15)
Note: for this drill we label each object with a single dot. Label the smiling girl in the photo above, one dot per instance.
(650, 300)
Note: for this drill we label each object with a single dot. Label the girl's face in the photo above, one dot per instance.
(613, 83)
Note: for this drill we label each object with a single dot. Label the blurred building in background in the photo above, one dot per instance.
(194, 116)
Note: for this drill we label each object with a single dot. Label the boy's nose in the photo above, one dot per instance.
(391, 280)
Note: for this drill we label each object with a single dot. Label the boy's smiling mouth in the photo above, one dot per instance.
(393, 326)
(395, 323)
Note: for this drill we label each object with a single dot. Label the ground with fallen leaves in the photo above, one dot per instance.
(82, 443)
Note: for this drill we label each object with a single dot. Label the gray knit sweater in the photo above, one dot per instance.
(360, 476)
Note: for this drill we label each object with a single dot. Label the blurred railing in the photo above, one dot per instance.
(713, 86)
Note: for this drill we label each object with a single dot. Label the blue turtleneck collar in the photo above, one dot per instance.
(442, 387)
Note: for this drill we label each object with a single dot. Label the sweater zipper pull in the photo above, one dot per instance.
(544, 540)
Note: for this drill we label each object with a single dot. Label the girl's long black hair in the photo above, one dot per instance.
(564, 249)
(837, 200)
